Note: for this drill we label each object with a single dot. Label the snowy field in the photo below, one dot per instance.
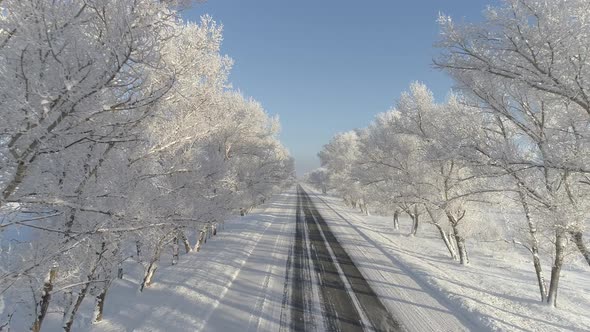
(498, 290)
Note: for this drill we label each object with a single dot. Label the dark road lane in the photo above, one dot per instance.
(347, 302)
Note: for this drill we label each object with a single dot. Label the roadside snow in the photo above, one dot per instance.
(235, 283)
(497, 291)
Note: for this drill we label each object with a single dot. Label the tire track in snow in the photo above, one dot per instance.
(337, 304)
(347, 302)
(361, 305)
(297, 300)
(469, 322)
(302, 283)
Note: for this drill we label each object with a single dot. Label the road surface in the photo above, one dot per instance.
(346, 300)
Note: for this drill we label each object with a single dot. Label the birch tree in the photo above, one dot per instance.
(525, 65)
(113, 141)
(339, 157)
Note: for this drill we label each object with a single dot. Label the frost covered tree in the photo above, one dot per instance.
(119, 136)
(339, 157)
(318, 178)
(385, 161)
(410, 156)
(74, 83)
(526, 67)
(407, 160)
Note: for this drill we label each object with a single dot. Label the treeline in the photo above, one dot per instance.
(515, 133)
(120, 136)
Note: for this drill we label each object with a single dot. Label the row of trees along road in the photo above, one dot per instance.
(119, 137)
(515, 133)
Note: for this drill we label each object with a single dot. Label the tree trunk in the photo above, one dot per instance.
(451, 239)
(184, 239)
(396, 220)
(73, 309)
(560, 244)
(43, 304)
(414, 229)
(149, 275)
(120, 271)
(452, 242)
(539, 273)
(463, 257)
(150, 271)
(153, 265)
(579, 241)
(138, 250)
(415, 220)
(460, 241)
(534, 248)
(100, 299)
(200, 241)
(446, 239)
(175, 250)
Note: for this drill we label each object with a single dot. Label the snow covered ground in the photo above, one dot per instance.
(237, 282)
(497, 291)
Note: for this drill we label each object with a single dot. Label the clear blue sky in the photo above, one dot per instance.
(327, 66)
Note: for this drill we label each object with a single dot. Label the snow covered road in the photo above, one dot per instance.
(414, 304)
(346, 300)
(293, 265)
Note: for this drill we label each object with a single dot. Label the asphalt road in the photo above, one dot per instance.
(326, 284)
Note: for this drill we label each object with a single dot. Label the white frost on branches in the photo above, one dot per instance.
(119, 137)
